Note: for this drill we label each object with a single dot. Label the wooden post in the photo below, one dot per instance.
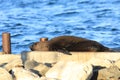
(6, 43)
(43, 39)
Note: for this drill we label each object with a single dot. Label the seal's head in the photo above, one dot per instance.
(40, 46)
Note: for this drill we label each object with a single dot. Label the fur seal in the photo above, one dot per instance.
(69, 43)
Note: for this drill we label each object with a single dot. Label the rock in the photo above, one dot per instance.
(22, 74)
(80, 57)
(43, 56)
(111, 73)
(1, 53)
(53, 57)
(45, 78)
(117, 63)
(6, 58)
(112, 56)
(4, 75)
(36, 67)
(70, 71)
(42, 69)
(104, 59)
(30, 64)
(100, 62)
(14, 63)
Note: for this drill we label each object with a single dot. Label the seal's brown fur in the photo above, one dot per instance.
(69, 43)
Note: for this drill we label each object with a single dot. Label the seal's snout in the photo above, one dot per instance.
(33, 46)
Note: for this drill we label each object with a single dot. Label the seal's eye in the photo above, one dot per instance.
(35, 43)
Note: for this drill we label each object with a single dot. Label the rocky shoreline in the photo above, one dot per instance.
(41, 65)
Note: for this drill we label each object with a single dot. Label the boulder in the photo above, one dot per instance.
(4, 75)
(6, 58)
(117, 63)
(111, 73)
(30, 64)
(70, 71)
(1, 53)
(38, 68)
(111, 56)
(104, 59)
(80, 57)
(22, 74)
(53, 57)
(42, 56)
(42, 69)
(45, 78)
(14, 63)
(100, 62)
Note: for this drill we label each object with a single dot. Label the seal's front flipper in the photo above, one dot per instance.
(64, 51)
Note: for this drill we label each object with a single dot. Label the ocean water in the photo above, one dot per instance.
(29, 20)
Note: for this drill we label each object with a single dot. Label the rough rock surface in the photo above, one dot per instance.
(42, 57)
(6, 58)
(100, 62)
(117, 63)
(45, 78)
(34, 66)
(111, 73)
(22, 74)
(70, 71)
(4, 75)
(12, 64)
(43, 65)
(29, 64)
(1, 53)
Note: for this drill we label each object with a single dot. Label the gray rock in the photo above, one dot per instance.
(30, 64)
(42, 69)
(38, 68)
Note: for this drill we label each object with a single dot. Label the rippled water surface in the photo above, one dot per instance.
(29, 20)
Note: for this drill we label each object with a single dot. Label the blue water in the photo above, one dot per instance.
(29, 20)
